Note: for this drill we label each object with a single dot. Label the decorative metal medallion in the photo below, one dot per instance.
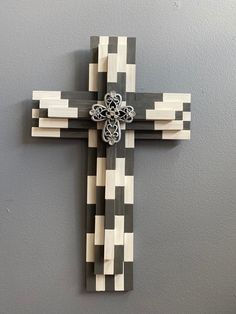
(112, 112)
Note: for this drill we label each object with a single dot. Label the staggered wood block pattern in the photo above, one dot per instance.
(110, 177)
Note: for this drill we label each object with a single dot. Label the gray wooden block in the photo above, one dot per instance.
(90, 218)
(119, 259)
(109, 214)
(90, 277)
(99, 259)
(111, 152)
(119, 201)
(128, 212)
(79, 95)
(102, 85)
(92, 155)
(129, 162)
(131, 50)
(109, 283)
(100, 200)
(128, 276)
(112, 47)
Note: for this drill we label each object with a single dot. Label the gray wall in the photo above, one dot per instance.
(185, 213)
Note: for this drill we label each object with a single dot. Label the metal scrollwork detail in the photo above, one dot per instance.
(112, 112)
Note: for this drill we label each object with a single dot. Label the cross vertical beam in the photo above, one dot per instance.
(111, 268)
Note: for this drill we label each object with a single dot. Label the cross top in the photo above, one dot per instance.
(111, 115)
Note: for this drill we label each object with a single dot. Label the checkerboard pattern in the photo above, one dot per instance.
(110, 186)
(109, 239)
(110, 177)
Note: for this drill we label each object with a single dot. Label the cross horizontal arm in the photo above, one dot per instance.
(158, 115)
(83, 105)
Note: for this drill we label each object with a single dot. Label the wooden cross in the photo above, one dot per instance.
(111, 115)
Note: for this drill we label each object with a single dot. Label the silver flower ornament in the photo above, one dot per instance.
(112, 112)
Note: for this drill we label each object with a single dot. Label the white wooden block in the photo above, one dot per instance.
(90, 247)
(92, 138)
(129, 139)
(45, 132)
(101, 171)
(175, 105)
(93, 77)
(56, 112)
(177, 97)
(53, 123)
(91, 189)
(102, 58)
(122, 57)
(39, 94)
(176, 135)
(109, 267)
(104, 40)
(186, 116)
(112, 68)
(130, 77)
(161, 114)
(110, 184)
(99, 230)
(119, 230)
(168, 125)
(109, 244)
(128, 247)
(122, 40)
(129, 190)
(35, 113)
(120, 172)
(119, 282)
(47, 103)
(100, 282)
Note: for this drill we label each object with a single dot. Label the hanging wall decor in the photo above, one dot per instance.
(111, 116)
